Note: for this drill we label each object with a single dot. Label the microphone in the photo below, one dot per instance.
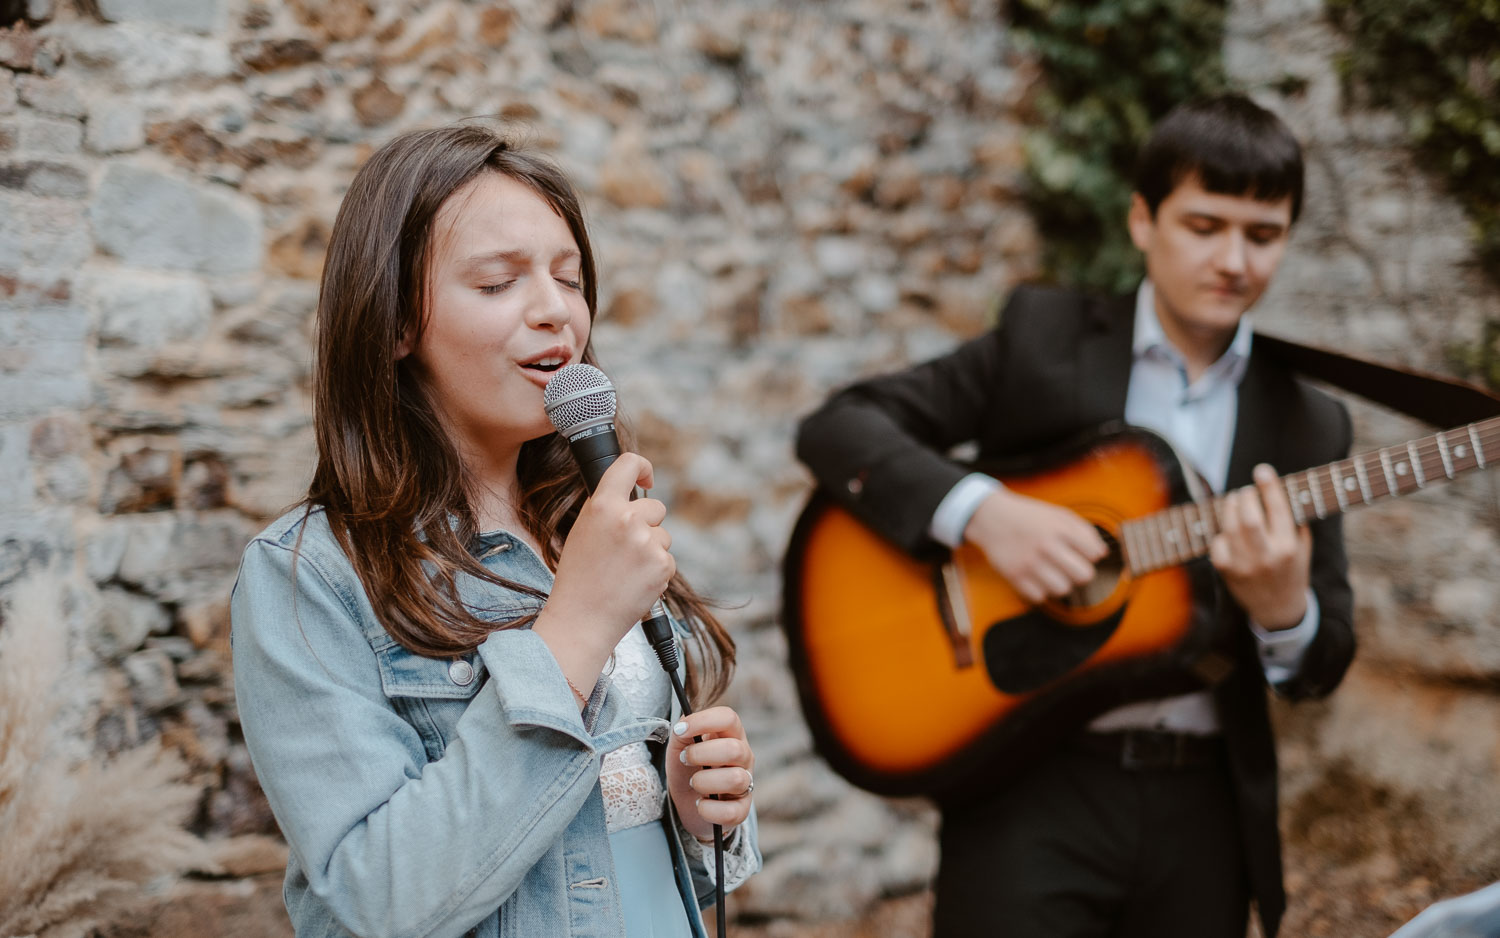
(580, 402)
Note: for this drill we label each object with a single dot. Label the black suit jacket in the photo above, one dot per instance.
(1059, 364)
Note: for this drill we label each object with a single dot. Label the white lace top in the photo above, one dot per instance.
(633, 792)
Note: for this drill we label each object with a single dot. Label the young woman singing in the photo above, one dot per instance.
(442, 683)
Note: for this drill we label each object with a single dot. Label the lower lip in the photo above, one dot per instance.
(539, 378)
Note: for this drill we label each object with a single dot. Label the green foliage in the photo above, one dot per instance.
(1111, 68)
(1437, 64)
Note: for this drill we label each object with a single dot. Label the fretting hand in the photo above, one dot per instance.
(1262, 554)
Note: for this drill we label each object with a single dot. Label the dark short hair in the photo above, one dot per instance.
(1233, 145)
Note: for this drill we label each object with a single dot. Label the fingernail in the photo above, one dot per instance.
(683, 756)
(681, 728)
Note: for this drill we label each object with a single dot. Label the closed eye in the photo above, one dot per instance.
(493, 288)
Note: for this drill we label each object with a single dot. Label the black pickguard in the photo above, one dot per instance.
(1026, 652)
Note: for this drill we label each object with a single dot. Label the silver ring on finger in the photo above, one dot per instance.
(750, 785)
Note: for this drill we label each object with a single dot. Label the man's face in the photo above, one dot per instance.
(1209, 256)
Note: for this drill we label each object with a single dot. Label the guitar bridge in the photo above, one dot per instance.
(953, 610)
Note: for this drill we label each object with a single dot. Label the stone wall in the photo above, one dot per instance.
(784, 196)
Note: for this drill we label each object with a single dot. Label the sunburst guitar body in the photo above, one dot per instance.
(934, 677)
(924, 677)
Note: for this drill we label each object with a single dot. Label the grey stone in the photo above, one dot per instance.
(125, 619)
(150, 219)
(202, 16)
(41, 235)
(166, 551)
(41, 361)
(42, 134)
(115, 125)
(8, 95)
(56, 95)
(39, 11)
(146, 56)
(47, 178)
(839, 256)
(17, 489)
(138, 310)
(153, 682)
(33, 540)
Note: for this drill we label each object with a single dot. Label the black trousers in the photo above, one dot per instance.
(1082, 847)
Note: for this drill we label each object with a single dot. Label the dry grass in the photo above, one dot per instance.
(79, 838)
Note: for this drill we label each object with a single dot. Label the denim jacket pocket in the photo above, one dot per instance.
(430, 693)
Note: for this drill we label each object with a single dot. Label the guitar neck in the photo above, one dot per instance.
(1182, 532)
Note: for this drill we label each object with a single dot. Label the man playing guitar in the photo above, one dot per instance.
(1159, 817)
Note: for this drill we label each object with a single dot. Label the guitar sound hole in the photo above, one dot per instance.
(1107, 573)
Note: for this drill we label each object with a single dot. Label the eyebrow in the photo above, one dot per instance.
(514, 256)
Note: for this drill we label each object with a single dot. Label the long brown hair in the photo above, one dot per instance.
(389, 478)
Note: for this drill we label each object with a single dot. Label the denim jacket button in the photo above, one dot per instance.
(461, 672)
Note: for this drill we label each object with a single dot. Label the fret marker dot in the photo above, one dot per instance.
(1350, 484)
(1306, 497)
(1460, 451)
(1400, 468)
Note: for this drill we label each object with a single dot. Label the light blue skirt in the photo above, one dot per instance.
(648, 888)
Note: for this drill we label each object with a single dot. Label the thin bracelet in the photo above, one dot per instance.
(582, 700)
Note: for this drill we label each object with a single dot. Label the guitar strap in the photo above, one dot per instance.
(1441, 402)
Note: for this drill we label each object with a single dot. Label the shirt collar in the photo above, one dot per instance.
(1150, 340)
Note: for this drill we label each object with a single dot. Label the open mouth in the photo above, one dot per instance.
(546, 365)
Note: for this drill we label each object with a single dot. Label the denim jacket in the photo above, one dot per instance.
(424, 796)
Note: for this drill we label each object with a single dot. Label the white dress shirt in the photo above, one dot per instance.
(1198, 418)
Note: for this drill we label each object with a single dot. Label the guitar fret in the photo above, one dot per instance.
(1364, 479)
(1338, 486)
(1194, 543)
(1205, 523)
(1164, 545)
(1443, 452)
(1385, 466)
(1173, 536)
(1295, 498)
(1148, 546)
(1478, 450)
(1316, 488)
(1416, 465)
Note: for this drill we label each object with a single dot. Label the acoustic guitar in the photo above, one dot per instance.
(924, 677)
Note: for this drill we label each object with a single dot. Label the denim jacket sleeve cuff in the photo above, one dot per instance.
(531, 686)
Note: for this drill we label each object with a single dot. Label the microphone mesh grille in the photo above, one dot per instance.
(576, 395)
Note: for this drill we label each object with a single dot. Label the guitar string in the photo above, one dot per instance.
(1170, 533)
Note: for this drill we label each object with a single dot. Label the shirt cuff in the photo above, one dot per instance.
(739, 862)
(958, 506)
(1281, 651)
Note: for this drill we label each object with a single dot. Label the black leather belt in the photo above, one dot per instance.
(1154, 749)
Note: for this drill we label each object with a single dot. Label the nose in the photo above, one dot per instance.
(549, 308)
(1230, 256)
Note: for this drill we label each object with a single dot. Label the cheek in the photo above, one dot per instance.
(1263, 263)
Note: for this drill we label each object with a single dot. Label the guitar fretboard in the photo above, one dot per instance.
(1178, 534)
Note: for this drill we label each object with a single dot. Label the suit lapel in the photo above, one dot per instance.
(1104, 359)
(1255, 424)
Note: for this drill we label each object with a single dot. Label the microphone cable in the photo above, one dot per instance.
(580, 402)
